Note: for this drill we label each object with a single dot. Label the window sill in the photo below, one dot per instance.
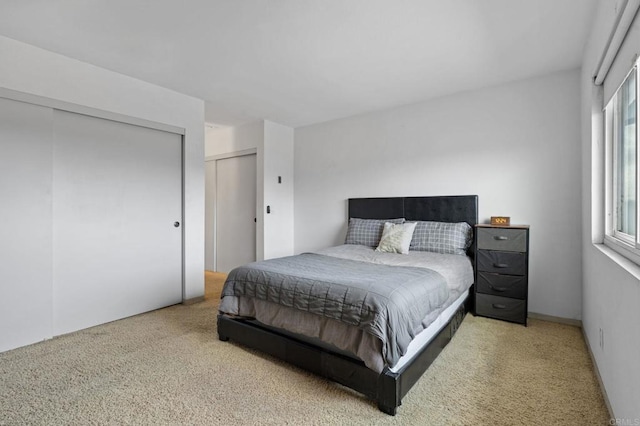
(620, 259)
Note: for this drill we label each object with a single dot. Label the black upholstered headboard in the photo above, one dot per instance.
(448, 208)
(453, 208)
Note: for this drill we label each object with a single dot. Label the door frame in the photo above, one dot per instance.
(90, 111)
(214, 220)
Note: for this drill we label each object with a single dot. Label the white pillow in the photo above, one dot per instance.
(396, 238)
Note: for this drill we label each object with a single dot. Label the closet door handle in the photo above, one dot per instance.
(176, 224)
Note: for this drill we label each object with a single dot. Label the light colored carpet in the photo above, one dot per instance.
(168, 367)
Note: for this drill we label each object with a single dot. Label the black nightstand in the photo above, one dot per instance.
(502, 270)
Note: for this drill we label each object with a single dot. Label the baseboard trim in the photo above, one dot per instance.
(600, 382)
(551, 318)
(193, 300)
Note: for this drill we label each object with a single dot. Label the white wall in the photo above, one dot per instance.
(225, 140)
(278, 161)
(26, 239)
(274, 146)
(516, 146)
(611, 288)
(31, 70)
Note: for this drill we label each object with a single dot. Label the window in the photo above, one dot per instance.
(623, 161)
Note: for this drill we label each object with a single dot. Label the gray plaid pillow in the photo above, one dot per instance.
(442, 237)
(367, 232)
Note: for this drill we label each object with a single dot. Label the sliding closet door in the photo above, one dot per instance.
(25, 234)
(117, 215)
(235, 212)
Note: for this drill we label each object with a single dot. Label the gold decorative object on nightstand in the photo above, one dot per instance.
(501, 220)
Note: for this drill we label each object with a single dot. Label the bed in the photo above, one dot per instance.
(344, 341)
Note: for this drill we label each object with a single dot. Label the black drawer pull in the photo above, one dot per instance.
(500, 238)
(498, 306)
(500, 265)
(498, 289)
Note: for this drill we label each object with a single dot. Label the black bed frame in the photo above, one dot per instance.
(386, 388)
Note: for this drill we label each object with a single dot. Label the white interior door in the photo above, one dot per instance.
(235, 212)
(117, 194)
(25, 234)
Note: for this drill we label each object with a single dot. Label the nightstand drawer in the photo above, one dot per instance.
(502, 285)
(502, 239)
(501, 307)
(502, 262)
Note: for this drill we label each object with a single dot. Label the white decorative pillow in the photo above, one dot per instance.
(396, 238)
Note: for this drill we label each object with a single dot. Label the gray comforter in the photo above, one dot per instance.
(388, 302)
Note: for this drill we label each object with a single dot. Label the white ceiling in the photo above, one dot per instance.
(298, 62)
